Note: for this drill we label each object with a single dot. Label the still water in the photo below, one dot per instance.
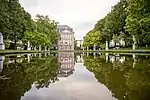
(69, 76)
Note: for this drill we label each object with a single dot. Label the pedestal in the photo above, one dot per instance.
(2, 46)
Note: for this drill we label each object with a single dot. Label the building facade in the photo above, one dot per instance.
(66, 41)
(79, 44)
(120, 43)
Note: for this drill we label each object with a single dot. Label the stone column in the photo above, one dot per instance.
(35, 48)
(45, 54)
(94, 55)
(87, 48)
(94, 48)
(49, 49)
(133, 56)
(39, 47)
(87, 53)
(99, 49)
(134, 60)
(49, 53)
(45, 48)
(106, 48)
(2, 58)
(83, 53)
(40, 55)
(2, 46)
(28, 46)
(106, 54)
(28, 57)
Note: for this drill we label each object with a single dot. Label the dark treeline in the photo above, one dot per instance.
(17, 25)
(129, 20)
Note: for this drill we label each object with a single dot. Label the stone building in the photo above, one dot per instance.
(66, 41)
(120, 43)
(79, 44)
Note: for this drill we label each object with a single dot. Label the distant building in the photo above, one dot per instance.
(120, 43)
(66, 41)
(67, 64)
(79, 44)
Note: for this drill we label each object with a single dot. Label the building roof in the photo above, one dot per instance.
(62, 27)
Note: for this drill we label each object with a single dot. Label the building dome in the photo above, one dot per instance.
(1, 34)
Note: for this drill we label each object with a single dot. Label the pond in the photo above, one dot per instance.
(71, 76)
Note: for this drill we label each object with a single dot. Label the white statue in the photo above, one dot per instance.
(2, 46)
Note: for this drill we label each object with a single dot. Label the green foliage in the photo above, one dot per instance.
(18, 77)
(127, 18)
(47, 27)
(112, 24)
(127, 80)
(16, 24)
(44, 32)
(138, 20)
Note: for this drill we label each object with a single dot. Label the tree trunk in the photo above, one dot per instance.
(15, 45)
(134, 42)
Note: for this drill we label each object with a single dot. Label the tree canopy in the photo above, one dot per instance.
(127, 18)
(16, 24)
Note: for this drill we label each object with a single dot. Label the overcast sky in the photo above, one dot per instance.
(81, 15)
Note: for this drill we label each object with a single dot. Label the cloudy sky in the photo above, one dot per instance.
(81, 15)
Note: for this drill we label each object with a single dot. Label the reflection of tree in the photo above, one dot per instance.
(124, 81)
(20, 76)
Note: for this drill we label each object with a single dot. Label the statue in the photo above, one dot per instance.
(2, 46)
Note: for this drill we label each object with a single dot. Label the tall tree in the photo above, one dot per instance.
(17, 18)
(138, 20)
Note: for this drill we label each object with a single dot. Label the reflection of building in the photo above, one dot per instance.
(66, 41)
(113, 58)
(80, 58)
(67, 64)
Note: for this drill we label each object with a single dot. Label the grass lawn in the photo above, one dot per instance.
(123, 51)
(17, 51)
(141, 50)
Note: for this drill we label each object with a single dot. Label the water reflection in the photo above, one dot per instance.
(127, 77)
(75, 83)
(69, 76)
(67, 64)
(20, 72)
(2, 58)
